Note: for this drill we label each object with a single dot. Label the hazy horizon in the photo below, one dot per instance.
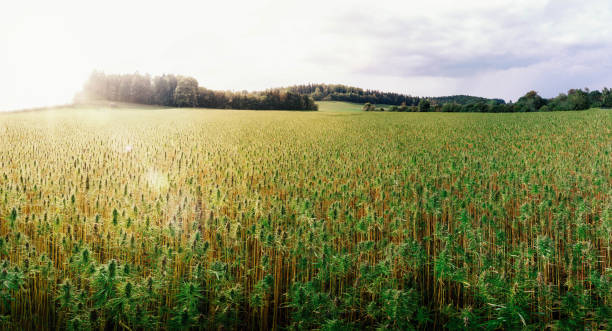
(499, 50)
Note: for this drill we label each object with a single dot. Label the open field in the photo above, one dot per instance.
(341, 106)
(178, 218)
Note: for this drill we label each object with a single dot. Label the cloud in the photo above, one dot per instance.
(411, 63)
(518, 42)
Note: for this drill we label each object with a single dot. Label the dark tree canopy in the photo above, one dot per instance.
(424, 105)
(186, 92)
(530, 102)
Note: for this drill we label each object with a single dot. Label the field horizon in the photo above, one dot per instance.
(324, 106)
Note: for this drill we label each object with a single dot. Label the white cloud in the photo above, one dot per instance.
(490, 48)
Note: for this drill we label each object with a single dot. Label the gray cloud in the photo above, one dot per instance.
(408, 63)
(520, 43)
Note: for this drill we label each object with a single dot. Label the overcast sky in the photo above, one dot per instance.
(427, 48)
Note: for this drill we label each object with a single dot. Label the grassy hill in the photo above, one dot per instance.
(338, 106)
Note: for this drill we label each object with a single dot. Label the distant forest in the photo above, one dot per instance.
(180, 91)
(338, 92)
(575, 99)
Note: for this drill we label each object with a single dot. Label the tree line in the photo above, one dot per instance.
(575, 99)
(339, 92)
(181, 91)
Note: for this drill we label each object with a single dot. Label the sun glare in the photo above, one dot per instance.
(42, 56)
(157, 181)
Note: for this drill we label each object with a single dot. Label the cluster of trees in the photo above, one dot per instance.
(423, 106)
(465, 100)
(432, 105)
(338, 92)
(181, 91)
(575, 99)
